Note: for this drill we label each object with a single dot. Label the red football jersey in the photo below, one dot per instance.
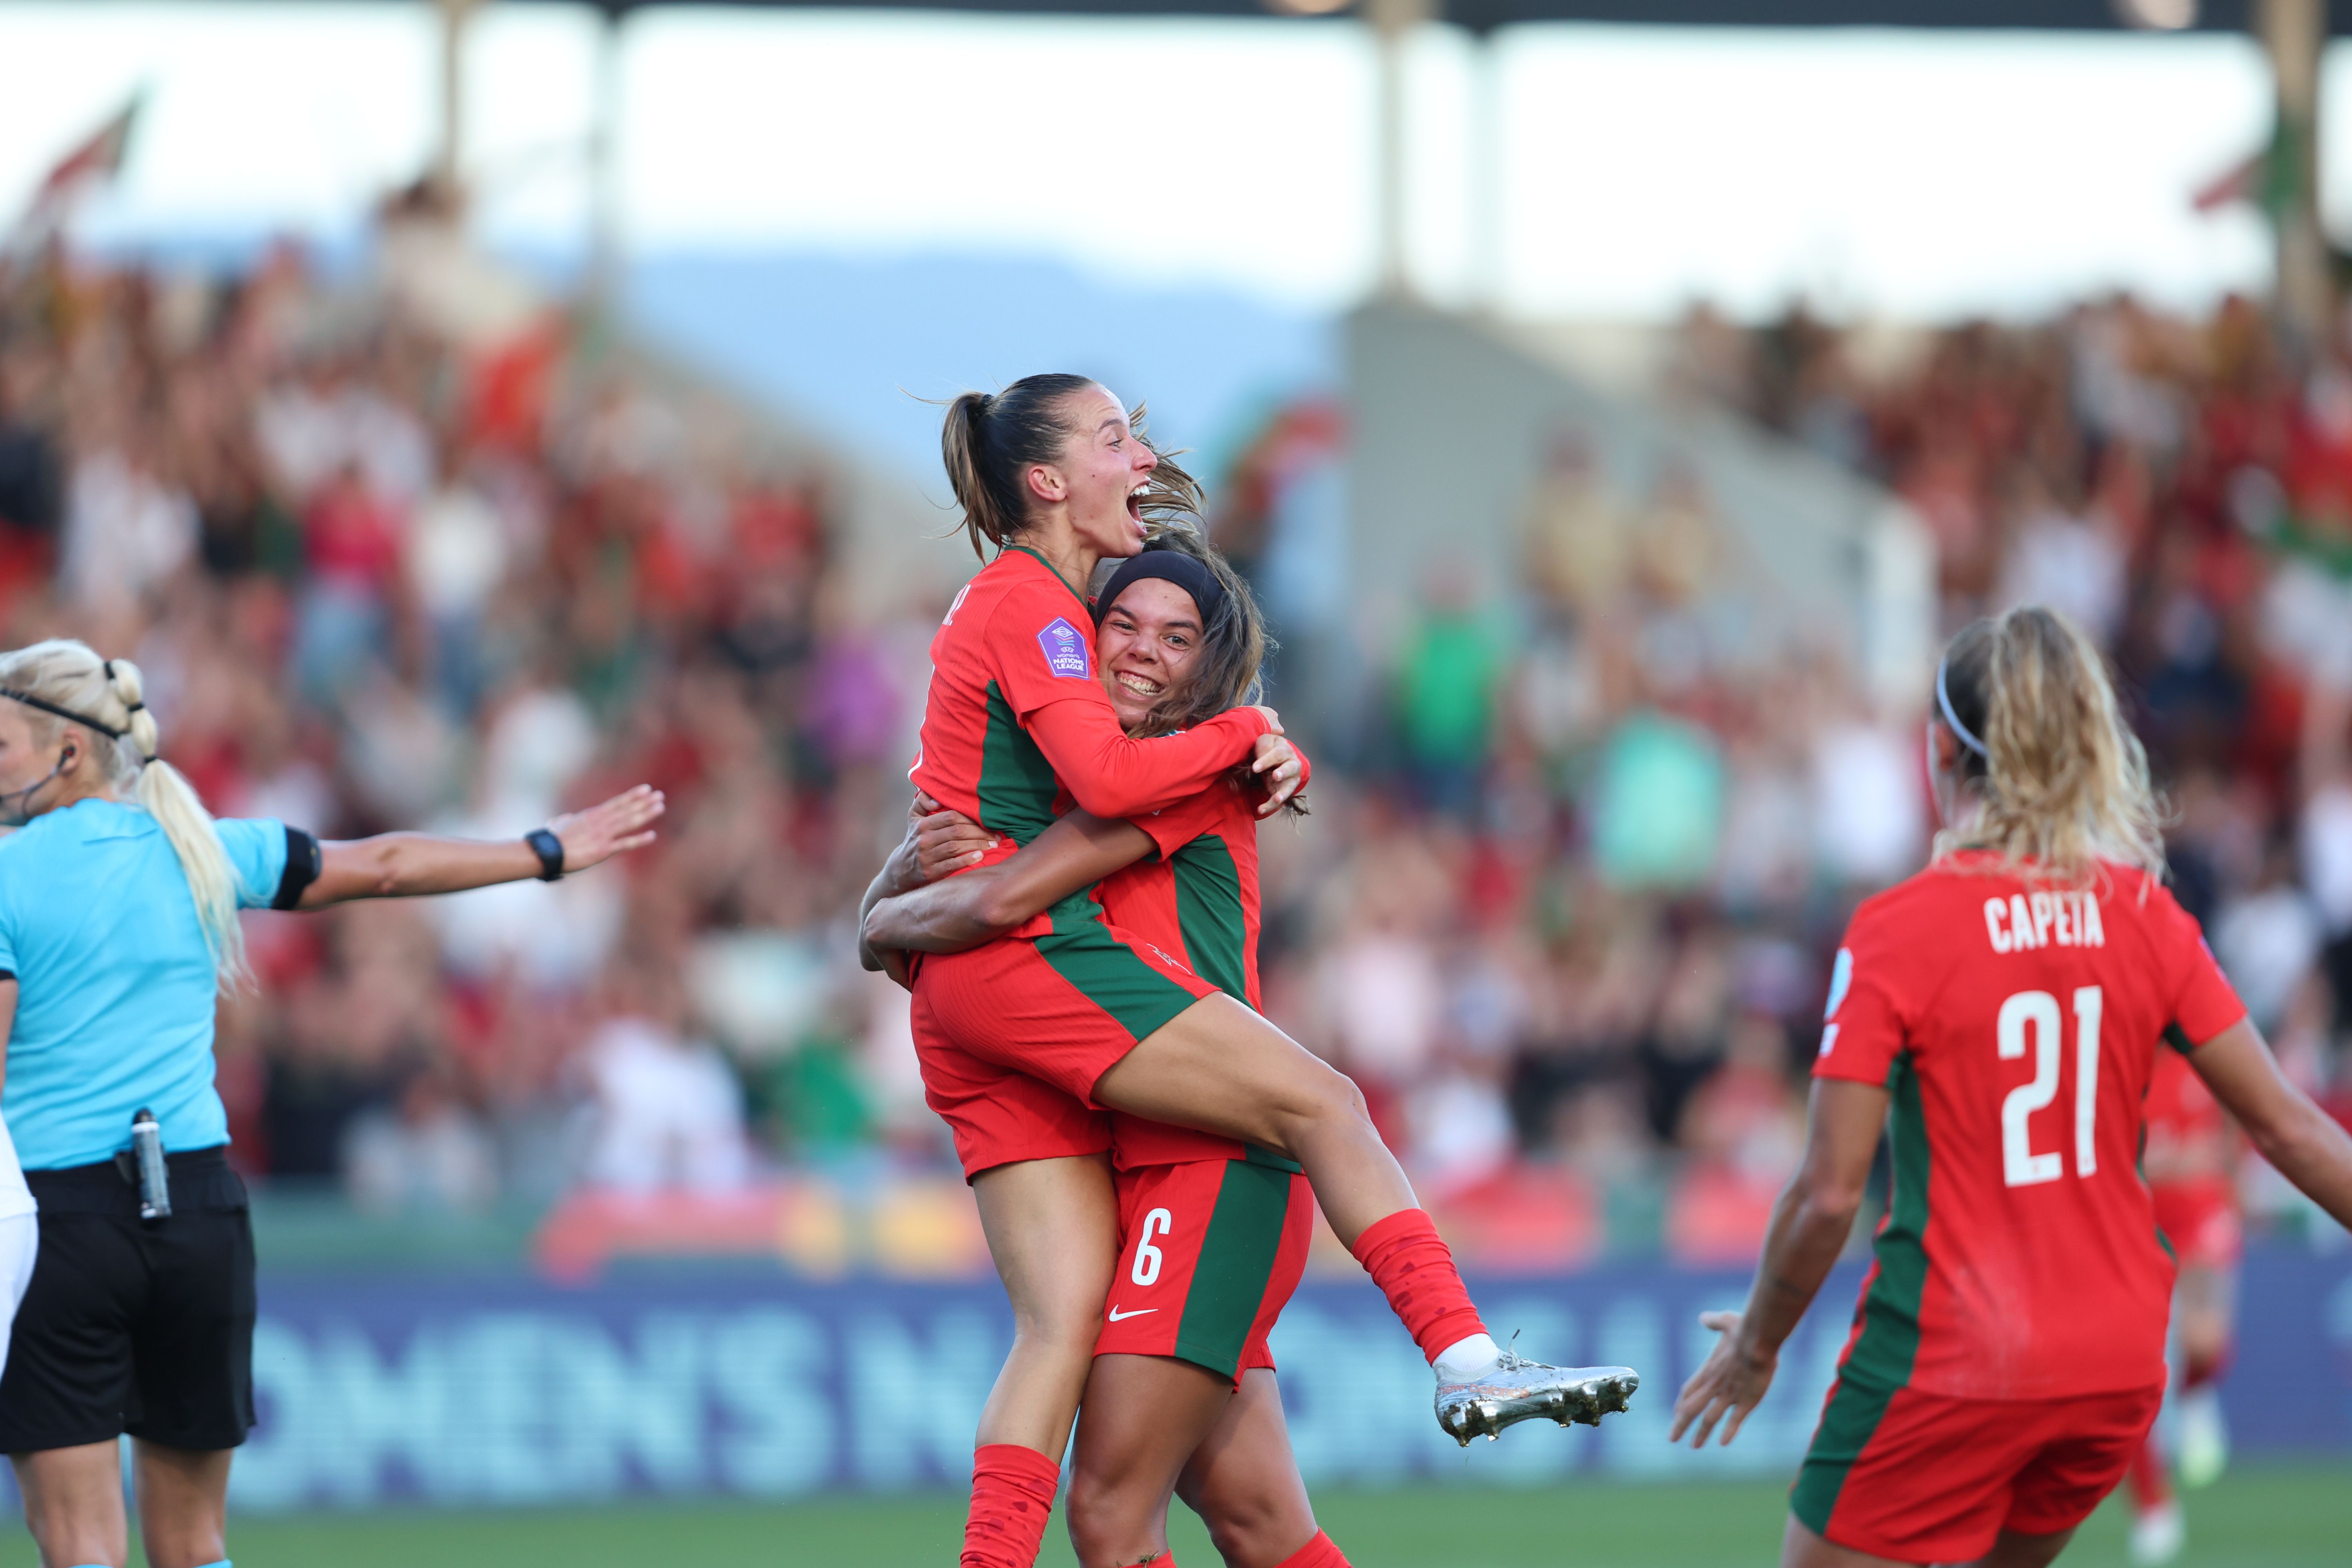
(1197, 901)
(2185, 1122)
(2017, 1027)
(2187, 1156)
(1016, 725)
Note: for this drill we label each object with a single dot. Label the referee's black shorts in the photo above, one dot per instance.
(130, 1326)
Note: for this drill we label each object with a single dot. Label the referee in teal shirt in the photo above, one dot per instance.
(119, 901)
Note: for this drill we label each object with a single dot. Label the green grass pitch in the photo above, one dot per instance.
(2254, 1519)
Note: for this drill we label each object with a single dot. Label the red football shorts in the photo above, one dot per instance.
(996, 1115)
(1921, 1477)
(1209, 1251)
(1012, 1035)
(2200, 1219)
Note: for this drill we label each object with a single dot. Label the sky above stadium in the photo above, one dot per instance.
(1630, 170)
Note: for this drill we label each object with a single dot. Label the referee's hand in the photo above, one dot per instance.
(621, 823)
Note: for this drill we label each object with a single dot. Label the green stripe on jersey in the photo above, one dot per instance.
(1209, 912)
(1883, 1353)
(1235, 1262)
(1136, 991)
(1216, 927)
(1017, 783)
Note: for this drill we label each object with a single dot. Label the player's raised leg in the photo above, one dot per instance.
(1220, 1066)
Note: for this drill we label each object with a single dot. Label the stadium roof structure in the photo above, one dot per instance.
(1484, 15)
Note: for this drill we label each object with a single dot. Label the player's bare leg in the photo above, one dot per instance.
(1052, 1231)
(1800, 1548)
(1221, 1068)
(2016, 1551)
(1243, 1481)
(1144, 1416)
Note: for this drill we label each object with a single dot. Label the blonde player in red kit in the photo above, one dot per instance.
(1999, 1015)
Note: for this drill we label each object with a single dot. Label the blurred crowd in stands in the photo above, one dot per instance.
(1585, 935)
(1573, 926)
(387, 567)
(1566, 916)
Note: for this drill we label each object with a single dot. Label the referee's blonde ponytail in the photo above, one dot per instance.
(108, 702)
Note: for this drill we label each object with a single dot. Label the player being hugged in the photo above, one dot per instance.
(1027, 1041)
(1998, 1014)
(1213, 1232)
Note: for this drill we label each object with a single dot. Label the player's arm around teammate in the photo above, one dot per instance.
(119, 905)
(1026, 1041)
(1175, 1400)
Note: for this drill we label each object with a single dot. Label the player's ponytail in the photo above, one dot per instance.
(986, 441)
(68, 683)
(2063, 780)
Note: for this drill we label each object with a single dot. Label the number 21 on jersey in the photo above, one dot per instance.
(2035, 1012)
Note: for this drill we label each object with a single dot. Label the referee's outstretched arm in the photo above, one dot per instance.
(403, 865)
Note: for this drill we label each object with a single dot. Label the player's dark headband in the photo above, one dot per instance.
(1960, 731)
(1186, 571)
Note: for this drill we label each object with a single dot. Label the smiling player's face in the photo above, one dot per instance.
(1147, 644)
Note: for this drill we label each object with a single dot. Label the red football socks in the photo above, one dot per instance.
(1011, 1496)
(1410, 1262)
(1317, 1553)
(2150, 1487)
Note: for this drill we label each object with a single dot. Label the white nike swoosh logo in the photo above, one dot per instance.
(1116, 1315)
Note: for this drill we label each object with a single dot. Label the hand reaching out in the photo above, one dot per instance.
(623, 823)
(1726, 1388)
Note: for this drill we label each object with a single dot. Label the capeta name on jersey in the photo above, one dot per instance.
(2066, 916)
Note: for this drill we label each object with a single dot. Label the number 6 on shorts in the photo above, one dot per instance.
(1158, 1222)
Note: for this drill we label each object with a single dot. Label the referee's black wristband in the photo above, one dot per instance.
(549, 850)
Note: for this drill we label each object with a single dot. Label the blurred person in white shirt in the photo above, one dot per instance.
(2070, 563)
(126, 530)
(2266, 940)
(428, 1152)
(1870, 819)
(668, 1112)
